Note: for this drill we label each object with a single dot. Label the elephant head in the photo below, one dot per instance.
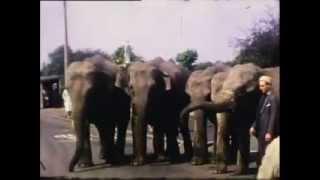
(199, 82)
(146, 88)
(240, 80)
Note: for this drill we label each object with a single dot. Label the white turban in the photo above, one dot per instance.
(266, 79)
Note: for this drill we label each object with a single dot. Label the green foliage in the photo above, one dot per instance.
(56, 64)
(80, 55)
(187, 58)
(262, 46)
(118, 55)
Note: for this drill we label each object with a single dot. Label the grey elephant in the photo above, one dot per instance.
(199, 90)
(96, 100)
(237, 98)
(157, 91)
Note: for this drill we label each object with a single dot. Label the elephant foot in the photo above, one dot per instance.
(103, 154)
(109, 161)
(221, 170)
(187, 157)
(85, 164)
(161, 158)
(240, 171)
(197, 161)
(120, 159)
(175, 160)
(138, 162)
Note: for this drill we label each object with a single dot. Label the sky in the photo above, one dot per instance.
(153, 28)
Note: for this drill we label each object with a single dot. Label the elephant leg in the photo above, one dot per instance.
(121, 138)
(244, 149)
(233, 148)
(107, 142)
(214, 142)
(172, 144)
(200, 148)
(75, 157)
(123, 111)
(103, 145)
(158, 142)
(222, 141)
(187, 144)
(82, 155)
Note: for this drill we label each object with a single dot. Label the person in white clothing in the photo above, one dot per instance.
(270, 167)
(67, 102)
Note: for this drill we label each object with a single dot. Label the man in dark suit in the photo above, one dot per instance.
(265, 128)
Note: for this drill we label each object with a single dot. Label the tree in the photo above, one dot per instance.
(262, 45)
(56, 62)
(187, 58)
(80, 55)
(56, 59)
(118, 55)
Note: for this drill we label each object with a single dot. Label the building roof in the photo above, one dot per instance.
(52, 77)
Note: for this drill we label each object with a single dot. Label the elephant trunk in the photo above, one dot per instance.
(139, 128)
(81, 127)
(200, 150)
(209, 106)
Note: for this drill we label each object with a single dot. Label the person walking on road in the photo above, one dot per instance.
(67, 103)
(265, 127)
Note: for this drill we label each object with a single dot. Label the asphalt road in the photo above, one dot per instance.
(57, 145)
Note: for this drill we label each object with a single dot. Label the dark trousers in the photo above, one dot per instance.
(262, 145)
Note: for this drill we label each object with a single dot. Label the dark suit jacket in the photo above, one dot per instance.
(267, 116)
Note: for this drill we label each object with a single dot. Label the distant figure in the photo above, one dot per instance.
(265, 128)
(45, 98)
(55, 96)
(270, 166)
(67, 102)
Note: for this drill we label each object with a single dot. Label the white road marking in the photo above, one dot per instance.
(71, 137)
(68, 137)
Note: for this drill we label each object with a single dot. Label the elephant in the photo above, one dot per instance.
(199, 89)
(237, 97)
(96, 100)
(176, 99)
(157, 92)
